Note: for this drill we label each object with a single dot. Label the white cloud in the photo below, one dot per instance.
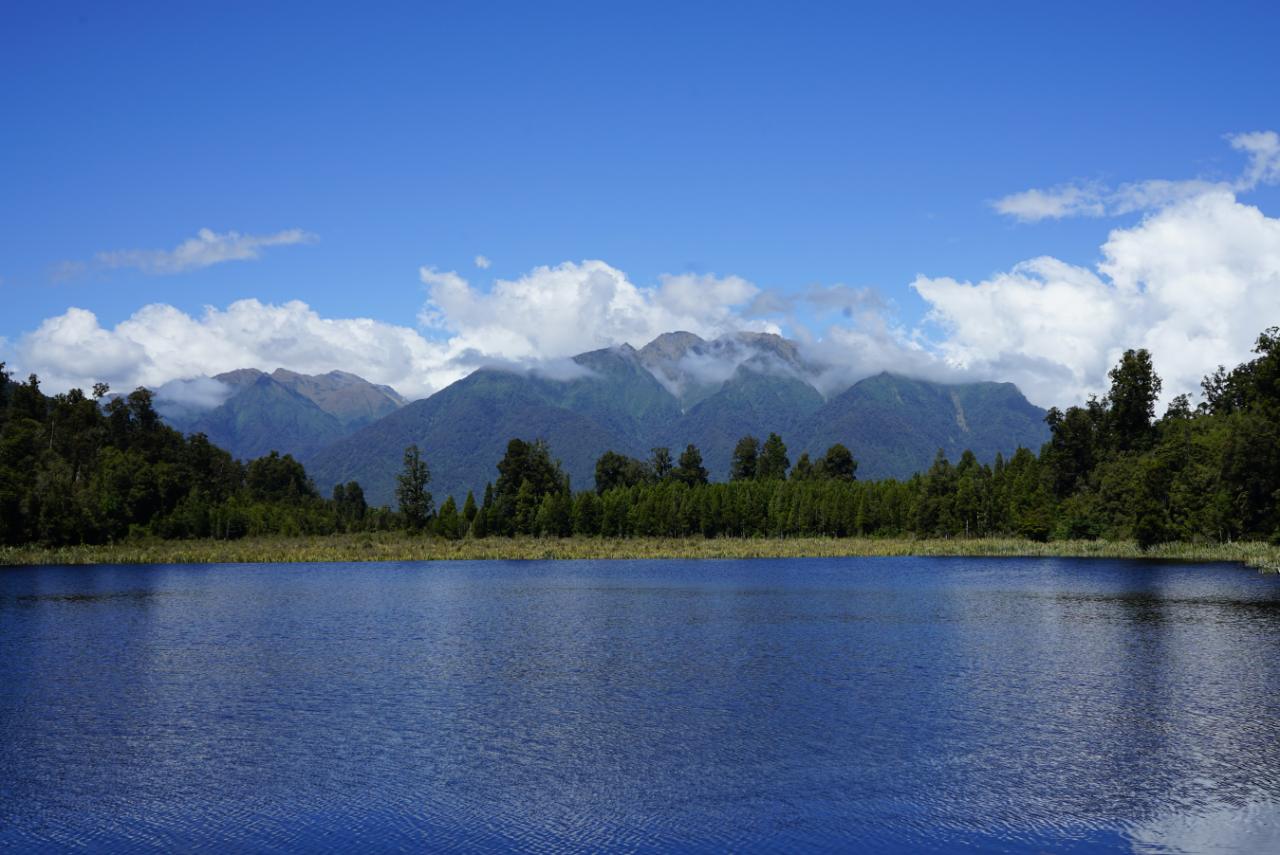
(1194, 283)
(482, 262)
(205, 249)
(159, 343)
(559, 311)
(1065, 200)
(1263, 148)
(533, 322)
(1092, 199)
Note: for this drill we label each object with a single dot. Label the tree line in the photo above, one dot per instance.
(97, 468)
(1111, 469)
(77, 468)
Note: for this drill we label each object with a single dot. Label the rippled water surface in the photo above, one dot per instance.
(892, 704)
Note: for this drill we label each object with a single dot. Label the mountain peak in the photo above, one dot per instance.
(671, 346)
(240, 377)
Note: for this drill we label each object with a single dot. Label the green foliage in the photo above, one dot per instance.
(1132, 400)
(615, 470)
(689, 470)
(80, 470)
(745, 457)
(349, 506)
(526, 473)
(448, 522)
(838, 464)
(278, 479)
(411, 490)
(804, 469)
(773, 463)
(75, 469)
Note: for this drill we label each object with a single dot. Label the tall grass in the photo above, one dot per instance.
(395, 546)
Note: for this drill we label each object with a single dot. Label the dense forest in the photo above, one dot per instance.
(93, 469)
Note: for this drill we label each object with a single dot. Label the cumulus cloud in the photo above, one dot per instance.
(1093, 199)
(482, 262)
(160, 343)
(531, 323)
(559, 311)
(1194, 283)
(204, 250)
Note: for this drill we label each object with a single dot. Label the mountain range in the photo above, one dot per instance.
(256, 413)
(676, 390)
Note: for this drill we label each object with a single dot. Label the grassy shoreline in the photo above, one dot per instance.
(395, 546)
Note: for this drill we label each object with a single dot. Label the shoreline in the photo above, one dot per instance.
(397, 546)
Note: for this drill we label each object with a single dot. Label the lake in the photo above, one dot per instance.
(893, 704)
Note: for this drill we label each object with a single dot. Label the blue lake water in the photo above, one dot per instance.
(907, 704)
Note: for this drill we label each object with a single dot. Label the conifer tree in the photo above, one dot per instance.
(773, 463)
(745, 454)
(411, 490)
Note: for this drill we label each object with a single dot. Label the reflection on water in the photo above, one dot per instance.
(1252, 827)
(895, 704)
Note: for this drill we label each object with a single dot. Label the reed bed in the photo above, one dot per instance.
(396, 546)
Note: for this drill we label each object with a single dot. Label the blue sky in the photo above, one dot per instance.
(793, 145)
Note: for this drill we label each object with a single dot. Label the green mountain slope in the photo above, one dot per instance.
(613, 399)
(284, 411)
(895, 425)
(463, 432)
(748, 403)
(264, 416)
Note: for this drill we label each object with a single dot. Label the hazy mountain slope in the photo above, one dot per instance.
(895, 425)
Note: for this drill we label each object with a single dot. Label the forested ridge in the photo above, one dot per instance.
(92, 469)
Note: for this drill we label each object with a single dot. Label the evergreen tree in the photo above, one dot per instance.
(690, 470)
(448, 523)
(838, 464)
(660, 463)
(1135, 387)
(480, 525)
(617, 470)
(745, 454)
(773, 463)
(411, 490)
(524, 463)
(804, 469)
(586, 514)
(274, 478)
(349, 505)
(469, 509)
(526, 507)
